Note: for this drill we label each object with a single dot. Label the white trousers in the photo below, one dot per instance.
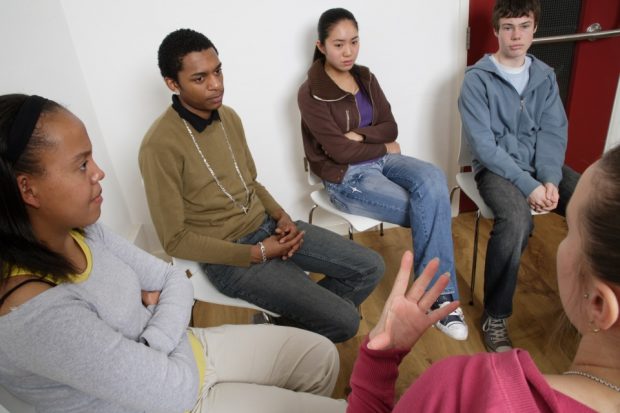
(267, 369)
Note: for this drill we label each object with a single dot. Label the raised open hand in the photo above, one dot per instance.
(406, 314)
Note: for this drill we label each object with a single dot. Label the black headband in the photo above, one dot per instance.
(23, 126)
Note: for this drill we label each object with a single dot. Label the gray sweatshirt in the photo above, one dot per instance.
(520, 137)
(79, 347)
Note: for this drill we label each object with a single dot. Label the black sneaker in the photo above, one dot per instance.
(495, 334)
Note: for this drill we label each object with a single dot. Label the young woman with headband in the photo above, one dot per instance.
(91, 323)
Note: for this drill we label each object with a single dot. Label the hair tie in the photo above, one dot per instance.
(23, 126)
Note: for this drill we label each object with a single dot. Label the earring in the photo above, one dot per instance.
(593, 327)
(586, 296)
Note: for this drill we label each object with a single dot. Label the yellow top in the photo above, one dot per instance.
(75, 278)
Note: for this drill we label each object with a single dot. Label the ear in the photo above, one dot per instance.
(535, 28)
(604, 305)
(172, 84)
(28, 190)
(320, 46)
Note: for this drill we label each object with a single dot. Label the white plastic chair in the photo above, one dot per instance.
(320, 197)
(11, 404)
(466, 182)
(206, 292)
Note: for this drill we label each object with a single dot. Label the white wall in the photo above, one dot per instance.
(100, 59)
(37, 57)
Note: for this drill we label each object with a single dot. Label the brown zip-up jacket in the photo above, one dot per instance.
(328, 112)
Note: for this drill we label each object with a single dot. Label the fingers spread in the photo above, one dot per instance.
(431, 295)
(443, 312)
(402, 277)
(418, 288)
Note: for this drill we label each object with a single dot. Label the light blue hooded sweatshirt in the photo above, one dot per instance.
(521, 138)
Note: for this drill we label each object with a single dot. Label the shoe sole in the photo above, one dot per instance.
(451, 336)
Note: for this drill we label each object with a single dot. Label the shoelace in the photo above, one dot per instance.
(496, 329)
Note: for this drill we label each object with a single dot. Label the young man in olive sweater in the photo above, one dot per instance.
(207, 206)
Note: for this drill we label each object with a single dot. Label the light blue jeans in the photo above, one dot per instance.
(405, 191)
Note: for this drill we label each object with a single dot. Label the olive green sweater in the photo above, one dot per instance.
(194, 219)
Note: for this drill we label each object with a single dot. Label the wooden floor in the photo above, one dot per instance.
(536, 304)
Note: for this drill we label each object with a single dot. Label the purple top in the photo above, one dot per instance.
(364, 105)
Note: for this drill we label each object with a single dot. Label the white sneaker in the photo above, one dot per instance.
(454, 324)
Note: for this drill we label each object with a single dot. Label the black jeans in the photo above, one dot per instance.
(511, 229)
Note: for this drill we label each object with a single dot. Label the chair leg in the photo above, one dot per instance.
(268, 319)
(191, 314)
(472, 282)
(452, 192)
(311, 213)
(381, 229)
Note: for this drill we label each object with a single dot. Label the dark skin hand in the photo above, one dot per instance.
(284, 243)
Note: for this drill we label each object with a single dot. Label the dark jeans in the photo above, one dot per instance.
(282, 286)
(511, 229)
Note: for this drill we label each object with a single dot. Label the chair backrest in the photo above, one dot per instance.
(312, 178)
(465, 157)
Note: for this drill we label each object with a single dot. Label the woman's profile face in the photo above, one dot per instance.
(68, 193)
(341, 46)
(570, 259)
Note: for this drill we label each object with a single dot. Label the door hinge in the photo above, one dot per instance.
(468, 38)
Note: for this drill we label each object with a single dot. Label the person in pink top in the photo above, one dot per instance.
(588, 260)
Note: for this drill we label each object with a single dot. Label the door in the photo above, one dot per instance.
(596, 67)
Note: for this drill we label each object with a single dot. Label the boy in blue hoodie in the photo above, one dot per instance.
(516, 128)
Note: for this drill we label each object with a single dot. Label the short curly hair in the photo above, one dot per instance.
(176, 46)
(514, 8)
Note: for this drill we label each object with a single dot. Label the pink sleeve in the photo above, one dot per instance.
(372, 380)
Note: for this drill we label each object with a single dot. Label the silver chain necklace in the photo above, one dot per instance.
(595, 378)
(243, 207)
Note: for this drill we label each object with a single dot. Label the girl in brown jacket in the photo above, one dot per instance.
(349, 136)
